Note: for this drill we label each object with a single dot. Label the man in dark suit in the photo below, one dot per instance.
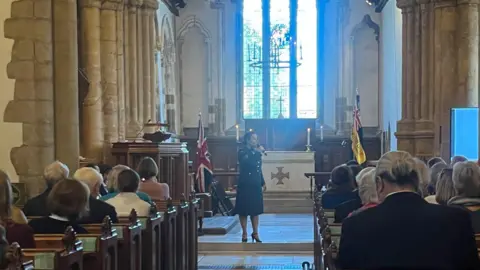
(97, 209)
(404, 231)
(37, 206)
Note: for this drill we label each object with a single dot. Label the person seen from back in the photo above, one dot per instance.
(149, 184)
(127, 198)
(342, 188)
(466, 182)
(444, 189)
(37, 206)
(423, 176)
(367, 190)
(67, 203)
(456, 159)
(98, 209)
(435, 171)
(435, 160)
(398, 234)
(112, 184)
(18, 232)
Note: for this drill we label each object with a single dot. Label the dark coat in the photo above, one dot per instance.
(335, 196)
(37, 206)
(472, 206)
(249, 200)
(406, 232)
(98, 211)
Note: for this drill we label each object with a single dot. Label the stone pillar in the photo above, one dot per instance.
(126, 67)
(92, 125)
(168, 60)
(67, 143)
(121, 74)
(139, 56)
(108, 53)
(146, 57)
(32, 106)
(440, 71)
(133, 125)
(154, 87)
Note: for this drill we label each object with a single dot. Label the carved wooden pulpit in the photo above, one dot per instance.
(171, 158)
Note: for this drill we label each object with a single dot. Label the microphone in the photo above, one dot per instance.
(141, 130)
(263, 151)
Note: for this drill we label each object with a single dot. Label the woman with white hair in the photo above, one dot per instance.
(98, 209)
(112, 184)
(367, 189)
(397, 233)
(466, 182)
(423, 176)
(53, 173)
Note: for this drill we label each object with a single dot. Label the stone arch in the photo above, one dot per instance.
(364, 46)
(190, 23)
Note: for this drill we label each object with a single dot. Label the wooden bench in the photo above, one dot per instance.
(129, 241)
(99, 249)
(192, 241)
(168, 229)
(68, 256)
(14, 259)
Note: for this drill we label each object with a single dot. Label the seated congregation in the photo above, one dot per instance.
(134, 225)
(402, 213)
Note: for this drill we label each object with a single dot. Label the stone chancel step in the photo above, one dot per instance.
(286, 202)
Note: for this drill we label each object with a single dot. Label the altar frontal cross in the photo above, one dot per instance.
(280, 175)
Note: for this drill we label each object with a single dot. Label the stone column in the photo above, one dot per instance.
(92, 125)
(67, 143)
(139, 56)
(154, 88)
(133, 124)
(108, 53)
(121, 74)
(126, 67)
(147, 55)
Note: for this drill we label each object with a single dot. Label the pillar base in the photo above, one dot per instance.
(416, 137)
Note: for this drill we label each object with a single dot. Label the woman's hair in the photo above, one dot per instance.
(423, 176)
(147, 168)
(435, 160)
(356, 169)
(457, 159)
(398, 168)
(342, 176)
(435, 171)
(104, 168)
(367, 187)
(69, 198)
(128, 181)
(444, 187)
(6, 196)
(112, 177)
(88, 176)
(55, 172)
(93, 166)
(247, 137)
(466, 179)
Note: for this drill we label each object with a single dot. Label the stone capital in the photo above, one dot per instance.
(468, 2)
(404, 4)
(90, 3)
(444, 3)
(111, 4)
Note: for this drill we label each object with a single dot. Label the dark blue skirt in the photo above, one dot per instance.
(249, 200)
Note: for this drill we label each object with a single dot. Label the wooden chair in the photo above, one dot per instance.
(129, 241)
(168, 229)
(70, 256)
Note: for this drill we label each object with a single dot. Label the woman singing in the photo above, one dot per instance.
(249, 201)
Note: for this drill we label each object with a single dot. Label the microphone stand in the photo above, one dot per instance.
(141, 130)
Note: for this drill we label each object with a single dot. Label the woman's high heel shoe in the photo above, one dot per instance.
(255, 238)
(244, 239)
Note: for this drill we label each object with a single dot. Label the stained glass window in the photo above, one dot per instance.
(288, 75)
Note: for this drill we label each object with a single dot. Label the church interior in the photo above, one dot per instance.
(156, 109)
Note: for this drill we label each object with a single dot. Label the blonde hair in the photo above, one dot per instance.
(444, 187)
(423, 175)
(89, 176)
(55, 172)
(367, 187)
(399, 168)
(466, 179)
(6, 195)
(112, 177)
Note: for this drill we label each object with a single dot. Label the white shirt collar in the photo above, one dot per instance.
(401, 191)
(57, 217)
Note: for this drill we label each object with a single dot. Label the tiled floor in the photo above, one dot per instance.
(286, 240)
(274, 228)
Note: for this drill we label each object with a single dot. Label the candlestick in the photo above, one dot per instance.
(237, 134)
(321, 133)
(308, 136)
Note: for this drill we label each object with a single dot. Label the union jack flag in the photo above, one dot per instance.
(204, 166)
(357, 133)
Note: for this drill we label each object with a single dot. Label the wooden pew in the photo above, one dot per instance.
(192, 241)
(168, 229)
(14, 259)
(182, 231)
(129, 241)
(151, 238)
(69, 256)
(100, 250)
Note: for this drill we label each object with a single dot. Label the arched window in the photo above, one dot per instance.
(283, 84)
